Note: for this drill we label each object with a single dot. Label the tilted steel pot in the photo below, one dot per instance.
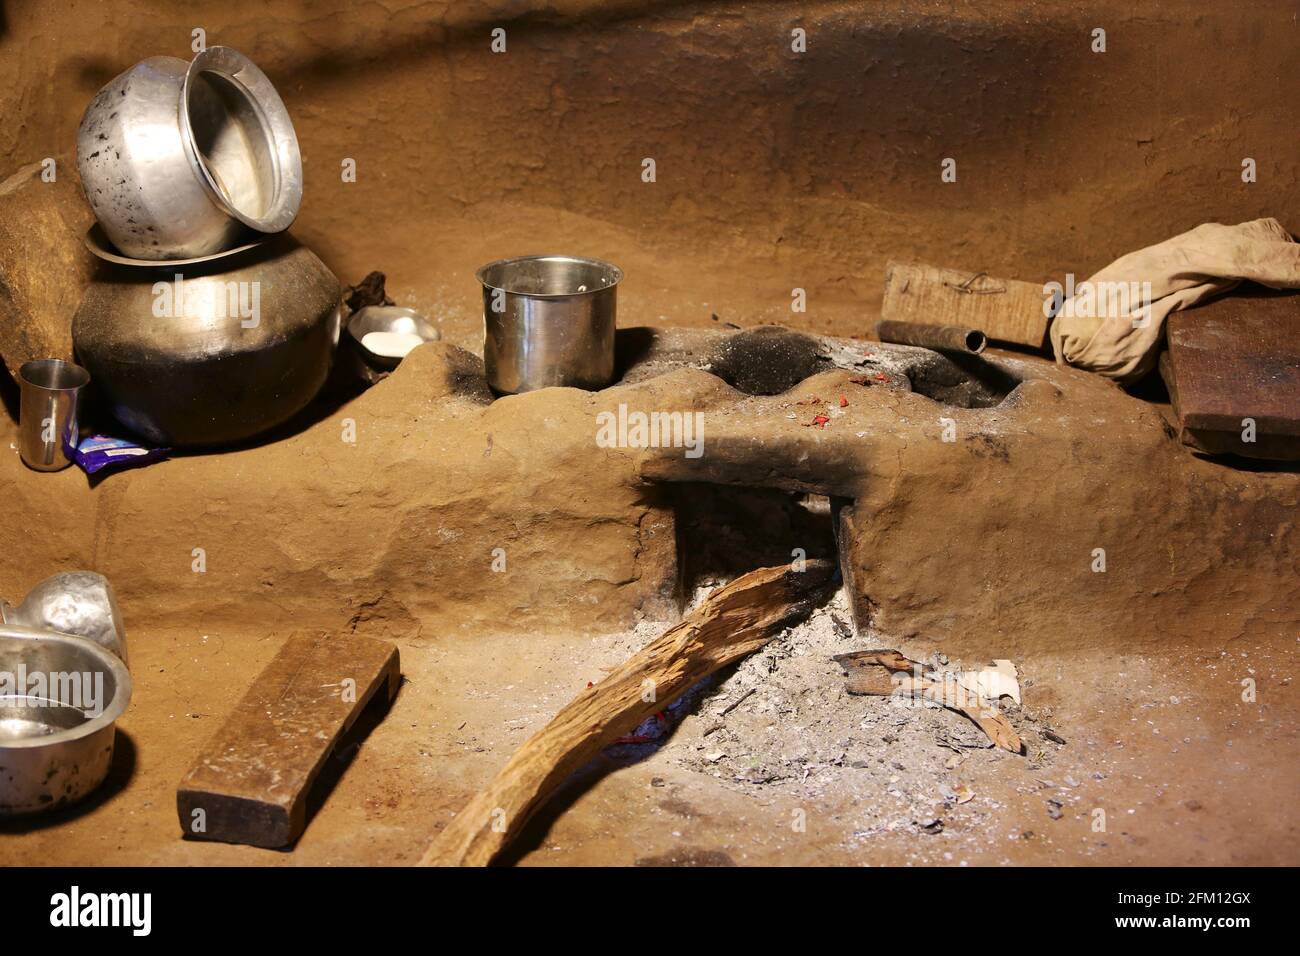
(179, 160)
(53, 750)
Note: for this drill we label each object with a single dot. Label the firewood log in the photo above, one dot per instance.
(732, 622)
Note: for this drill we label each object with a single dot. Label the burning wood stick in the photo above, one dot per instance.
(733, 621)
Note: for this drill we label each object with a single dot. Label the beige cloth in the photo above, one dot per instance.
(1123, 342)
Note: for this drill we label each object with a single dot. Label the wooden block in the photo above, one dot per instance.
(1233, 359)
(252, 779)
(1003, 309)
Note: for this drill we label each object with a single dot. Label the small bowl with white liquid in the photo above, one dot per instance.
(383, 335)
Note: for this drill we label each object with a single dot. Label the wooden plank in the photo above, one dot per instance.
(1006, 310)
(1234, 359)
(250, 783)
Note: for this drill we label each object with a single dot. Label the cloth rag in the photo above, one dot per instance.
(1114, 323)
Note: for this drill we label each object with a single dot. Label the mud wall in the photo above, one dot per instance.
(774, 169)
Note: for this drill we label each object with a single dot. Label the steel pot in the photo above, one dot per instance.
(549, 320)
(73, 602)
(180, 160)
(210, 353)
(54, 750)
(63, 684)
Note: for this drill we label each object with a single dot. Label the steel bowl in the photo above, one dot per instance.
(183, 160)
(96, 242)
(385, 318)
(549, 320)
(56, 738)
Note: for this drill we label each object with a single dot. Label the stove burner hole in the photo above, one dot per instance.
(767, 360)
(966, 381)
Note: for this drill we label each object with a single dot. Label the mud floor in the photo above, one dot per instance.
(773, 763)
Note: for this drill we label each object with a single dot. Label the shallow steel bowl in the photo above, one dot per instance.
(385, 318)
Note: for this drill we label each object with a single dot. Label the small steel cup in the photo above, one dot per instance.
(549, 320)
(47, 417)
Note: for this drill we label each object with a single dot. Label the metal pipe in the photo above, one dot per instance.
(941, 338)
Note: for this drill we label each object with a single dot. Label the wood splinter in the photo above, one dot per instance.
(732, 622)
(883, 672)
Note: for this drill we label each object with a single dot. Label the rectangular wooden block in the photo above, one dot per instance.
(250, 783)
(1234, 361)
(1003, 309)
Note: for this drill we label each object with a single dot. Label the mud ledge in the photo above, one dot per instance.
(983, 544)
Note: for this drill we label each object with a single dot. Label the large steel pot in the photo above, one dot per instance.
(214, 352)
(549, 320)
(179, 160)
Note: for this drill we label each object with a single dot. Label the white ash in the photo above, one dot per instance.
(781, 721)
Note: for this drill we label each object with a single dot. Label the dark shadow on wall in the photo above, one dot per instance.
(10, 393)
(879, 86)
(747, 130)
